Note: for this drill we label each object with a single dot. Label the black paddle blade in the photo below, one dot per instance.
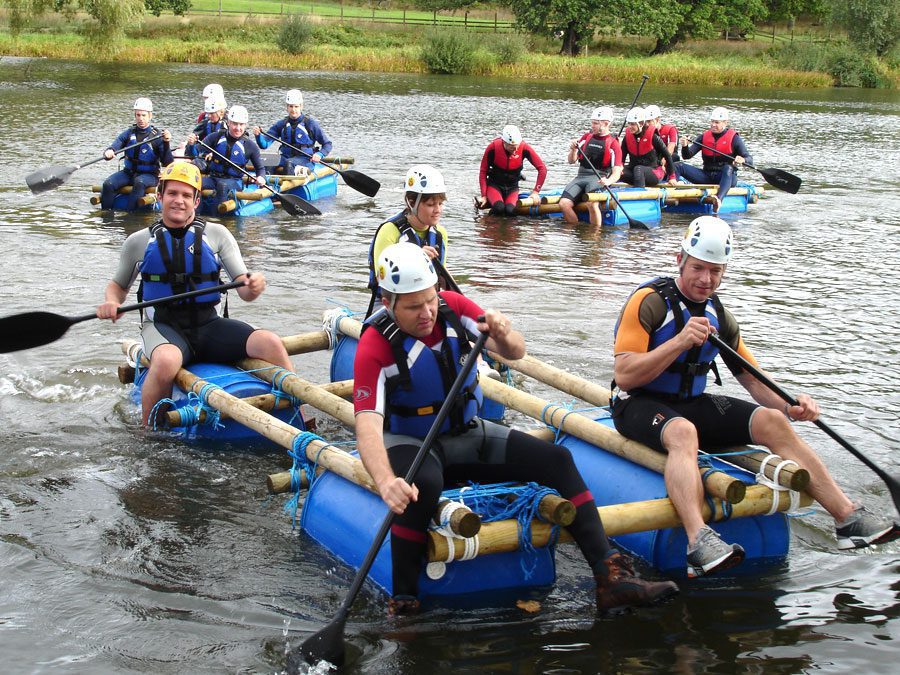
(49, 178)
(782, 180)
(637, 224)
(31, 329)
(326, 645)
(297, 206)
(361, 182)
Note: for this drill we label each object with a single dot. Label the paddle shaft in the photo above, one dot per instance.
(338, 622)
(235, 165)
(301, 151)
(169, 298)
(759, 375)
(644, 79)
(451, 282)
(632, 222)
(149, 139)
(725, 154)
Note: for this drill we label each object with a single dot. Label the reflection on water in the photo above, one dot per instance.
(123, 551)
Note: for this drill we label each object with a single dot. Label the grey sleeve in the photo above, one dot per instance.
(131, 257)
(222, 242)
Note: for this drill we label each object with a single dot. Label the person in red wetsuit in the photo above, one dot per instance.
(409, 354)
(501, 171)
(668, 132)
(646, 152)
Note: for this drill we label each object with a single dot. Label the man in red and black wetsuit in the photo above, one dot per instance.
(646, 151)
(406, 361)
(501, 171)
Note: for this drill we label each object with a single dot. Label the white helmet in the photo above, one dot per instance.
(213, 91)
(404, 268)
(709, 239)
(293, 97)
(719, 115)
(214, 104)
(511, 134)
(602, 113)
(424, 179)
(635, 115)
(238, 114)
(652, 112)
(143, 104)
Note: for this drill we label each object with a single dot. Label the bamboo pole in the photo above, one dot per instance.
(718, 484)
(795, 478)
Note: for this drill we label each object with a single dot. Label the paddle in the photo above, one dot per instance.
(328, 643)
(355, 179)
(644, 79)
(296, 206)
(33, 329)
(777, 178)
(891, 481)
(51, 177)
(451, 282)
(632, 222)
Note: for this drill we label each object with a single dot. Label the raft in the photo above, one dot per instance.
(251, 200)
(515, 556)
(643, 204)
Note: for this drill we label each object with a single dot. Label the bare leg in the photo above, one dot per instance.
(770, 428)
(266, 345)
(682, 478)
(165, 361)
(567, 206)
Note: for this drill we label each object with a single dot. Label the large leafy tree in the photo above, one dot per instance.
(110, 17)
(871, 25)
(573, 20)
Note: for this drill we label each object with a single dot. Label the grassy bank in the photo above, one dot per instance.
(251, 41)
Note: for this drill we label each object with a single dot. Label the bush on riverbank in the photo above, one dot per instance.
(448, 52)
(846, 65)
(295, 35)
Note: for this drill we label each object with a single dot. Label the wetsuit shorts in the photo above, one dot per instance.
(212, 338)
(580, 185)
(721, 421)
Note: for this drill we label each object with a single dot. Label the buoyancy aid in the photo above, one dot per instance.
(416, 392)
(685, 377)
(599, 151)
(175, 264)
(233, 149)
(713, 161)
(505, 170)
(669, 133)
(144, 158)
(293, 131)
(641, 150)
(407, 233)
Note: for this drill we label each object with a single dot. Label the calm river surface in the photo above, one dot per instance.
(127, 553)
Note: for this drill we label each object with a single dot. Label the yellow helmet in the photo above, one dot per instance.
(184, 172)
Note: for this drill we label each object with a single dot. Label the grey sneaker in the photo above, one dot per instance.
(863, 528)
(710, 554)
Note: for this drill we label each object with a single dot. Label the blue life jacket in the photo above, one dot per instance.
(685, 377)
(296, 133)
(233, 149)
(424, 377)
(174, 265)
(144, 158)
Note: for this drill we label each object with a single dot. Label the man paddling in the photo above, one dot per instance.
(302, 131)
(233, 151)
(409, 354)
(418, 223)
(597, 148)
(662, 358)
(176, 254)
(717, 167)
(142, 162)
(648, 157)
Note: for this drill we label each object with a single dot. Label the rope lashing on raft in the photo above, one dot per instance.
(301, 462)
(774, 483)
(281, 395)
(570, 408)
(492, 503)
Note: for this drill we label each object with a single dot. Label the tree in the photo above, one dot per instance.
(572, 20)
(872, 25)
(111, 17)
(177, 7)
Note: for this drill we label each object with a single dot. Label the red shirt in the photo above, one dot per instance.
(374, 361)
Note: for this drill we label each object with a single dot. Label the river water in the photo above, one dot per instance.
(126, 552)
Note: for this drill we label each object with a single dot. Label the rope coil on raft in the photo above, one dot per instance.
(302, 463)
(331, 322)
(774, 484)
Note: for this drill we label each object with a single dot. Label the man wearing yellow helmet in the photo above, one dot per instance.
(176, 254)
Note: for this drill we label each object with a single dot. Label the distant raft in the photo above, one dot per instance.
(251, 200)
(644, 204)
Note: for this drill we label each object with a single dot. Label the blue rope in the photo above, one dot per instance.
(492, 504)
(301, 463)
